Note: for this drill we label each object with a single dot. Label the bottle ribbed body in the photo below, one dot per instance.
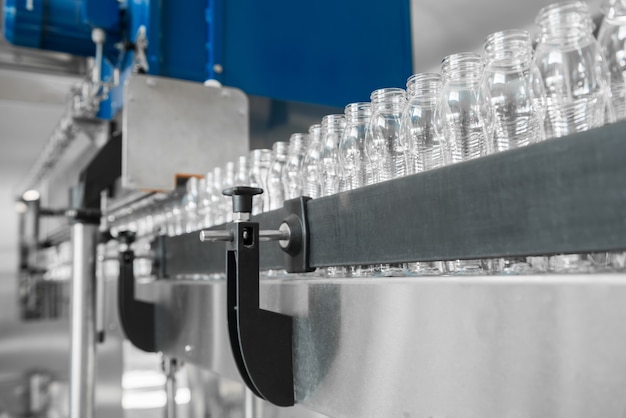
(460, 111)
(311, 163)
(612, 40)
(332, 130)
(513, 91)
(216, 197)
(242, 176)
(352, 158)
(259, 169)
(385, 148)
(292, 174)
(205, 209)
(275, 188)
(426, 148)
(572, 68)
(228, 181)
(190, 205)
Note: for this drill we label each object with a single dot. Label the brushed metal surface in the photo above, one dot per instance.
(525, 346)
(83, 321)
(174, 127)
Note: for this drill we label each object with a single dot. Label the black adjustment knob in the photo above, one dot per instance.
(242, 197)
(126, 237)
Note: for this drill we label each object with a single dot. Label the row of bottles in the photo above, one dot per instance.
(511, 95)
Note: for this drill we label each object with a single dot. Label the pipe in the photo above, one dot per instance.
(82, 320)
(253, 406)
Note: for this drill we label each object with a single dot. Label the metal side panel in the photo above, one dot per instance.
(174, 127)
(549, 346)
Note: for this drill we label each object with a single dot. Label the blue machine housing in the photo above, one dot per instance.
(323, 52)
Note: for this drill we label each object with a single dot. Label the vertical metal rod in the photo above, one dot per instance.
(253, 406)
(82, 319)
(170, 367)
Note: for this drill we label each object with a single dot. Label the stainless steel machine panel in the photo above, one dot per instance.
(523, 346)
(174, 127)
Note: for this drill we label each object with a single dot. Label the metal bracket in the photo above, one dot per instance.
(137, 317)
(261, 340)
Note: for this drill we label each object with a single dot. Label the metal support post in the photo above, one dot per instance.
(252, 406)
(170, 367)
(82, 319)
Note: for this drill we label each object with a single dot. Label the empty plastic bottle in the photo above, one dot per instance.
(275, 188)
(426, 148)
(311, 163)
(292, 173)
(332, 129)
(205, 209)
(352, 158)
(259, 169)
(513, 91)
(577, 84)
(612, 39)
(216, 197)
(460, 118)
(190, 205)
(228, 181)
(242, 176)
(384, 146)
(460, 112)
(573, 69)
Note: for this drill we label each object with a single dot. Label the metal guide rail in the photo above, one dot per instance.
(564, 195)
(308, 341)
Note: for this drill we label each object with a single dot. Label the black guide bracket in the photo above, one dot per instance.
(261, 340)
(137, 317)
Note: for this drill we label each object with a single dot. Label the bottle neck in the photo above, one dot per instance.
(315, 134)
(297, 142)
(565, 23)
(333, 124)
(358, 113)
(463, 68)
(424, 87)
(508, 49)
(279, 151)
(261, 158)
(390, 100)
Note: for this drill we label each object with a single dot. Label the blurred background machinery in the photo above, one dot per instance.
(105, 102)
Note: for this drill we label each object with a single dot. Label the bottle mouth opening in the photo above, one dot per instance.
(464, 65)
(330, 122)
(389, 97)
(315, 132)
(565, 16)
(423, 84)
(508, 45)
(298, 139)
(358, 110)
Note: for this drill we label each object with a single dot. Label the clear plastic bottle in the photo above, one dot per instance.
(219, 217)
(512, 90)
(190, 205)
(332, 129)
(259, 168)
(242, 176)
(385, 150)
(460, 118)
(573, 69)
(228, 181)
(311, 163)
(577, 84)
(426, 149)
(292, 174)
(205, 209)
(352, 159)
(460, 113)
(384, 146)
(275, 175)
(612, 39)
